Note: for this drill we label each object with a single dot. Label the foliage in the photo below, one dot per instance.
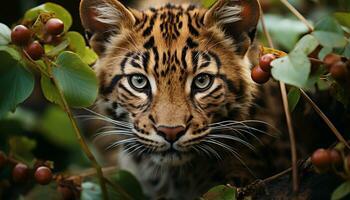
(65, 70)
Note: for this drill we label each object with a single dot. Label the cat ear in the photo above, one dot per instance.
(102, 18)
(238, 18)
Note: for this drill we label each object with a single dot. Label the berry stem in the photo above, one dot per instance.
(298, 15)
(81, 141)
(325, 118)
(286, 111)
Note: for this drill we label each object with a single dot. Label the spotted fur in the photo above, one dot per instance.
(172, 46)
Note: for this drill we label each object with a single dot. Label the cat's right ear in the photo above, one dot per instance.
(103, 18)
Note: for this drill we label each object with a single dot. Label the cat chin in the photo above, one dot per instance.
(171, 159)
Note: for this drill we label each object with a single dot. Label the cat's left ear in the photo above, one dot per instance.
(238, 18)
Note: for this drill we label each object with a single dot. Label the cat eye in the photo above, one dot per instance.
(138, 81)
(203, 81)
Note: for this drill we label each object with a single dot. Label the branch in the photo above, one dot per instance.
(298, 15)
(325, 119)
(81, 141)
(287, 113)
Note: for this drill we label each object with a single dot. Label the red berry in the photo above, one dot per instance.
(259, 75)
(66, 192)
(3, 159)
(338, 70)
(54, 26)
(35, 50)
(43, 175)
(20, 35)
(20, 172)
(265, 61)
(331, 59)
(335, 157)
(321, 158)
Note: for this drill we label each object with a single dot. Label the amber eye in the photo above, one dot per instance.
(203, 82)
(138, 81)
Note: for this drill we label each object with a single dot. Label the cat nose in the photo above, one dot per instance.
(171, 134)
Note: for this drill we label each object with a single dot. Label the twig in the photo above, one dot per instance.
(325, 119)
(298, 15)
(287, 113)
(81, 141)
(92, 172)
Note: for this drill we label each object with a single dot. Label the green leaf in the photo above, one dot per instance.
(221, 192)
(56, 127)
(341, 191)
(76, 79)
(306, 44)
(16, 82)
(330, 39)
(282, 28)
(329, 24)
(59, 11)
(324, 51)
(5, 34)
(55, 50)
(329, 33)
(293, 98)
(49, 90)
(208, 3)
(90, 56)
(90, 191)
(21, 149)
(343, 18)
(293, 69)
(129, 183)
(346, 51)
(76, 43)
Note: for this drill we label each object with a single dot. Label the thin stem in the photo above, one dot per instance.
(325, 119)
(287, 113)
(298, 15)
(81, 141)
(291, 136)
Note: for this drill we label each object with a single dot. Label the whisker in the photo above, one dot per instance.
(230, 137)
(233, 152)
(115, 144)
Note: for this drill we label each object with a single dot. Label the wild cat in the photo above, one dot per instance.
(175, 79)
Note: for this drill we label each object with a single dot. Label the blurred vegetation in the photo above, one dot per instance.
(38, 129)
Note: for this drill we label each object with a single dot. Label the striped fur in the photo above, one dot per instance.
(170, 47)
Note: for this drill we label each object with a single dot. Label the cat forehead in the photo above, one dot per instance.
(171, 25)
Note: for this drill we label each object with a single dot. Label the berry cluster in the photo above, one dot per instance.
(331, 159)
(24, 37)
(338, 67)
(41, 174)
(262, 73)
(21, 172)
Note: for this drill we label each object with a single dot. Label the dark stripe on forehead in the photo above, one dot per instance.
(149, 29)
(145, 60)
(156, 60)
(110, 87)
(190, 43)
(150, 43)
(192, 30)
(183, 57)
